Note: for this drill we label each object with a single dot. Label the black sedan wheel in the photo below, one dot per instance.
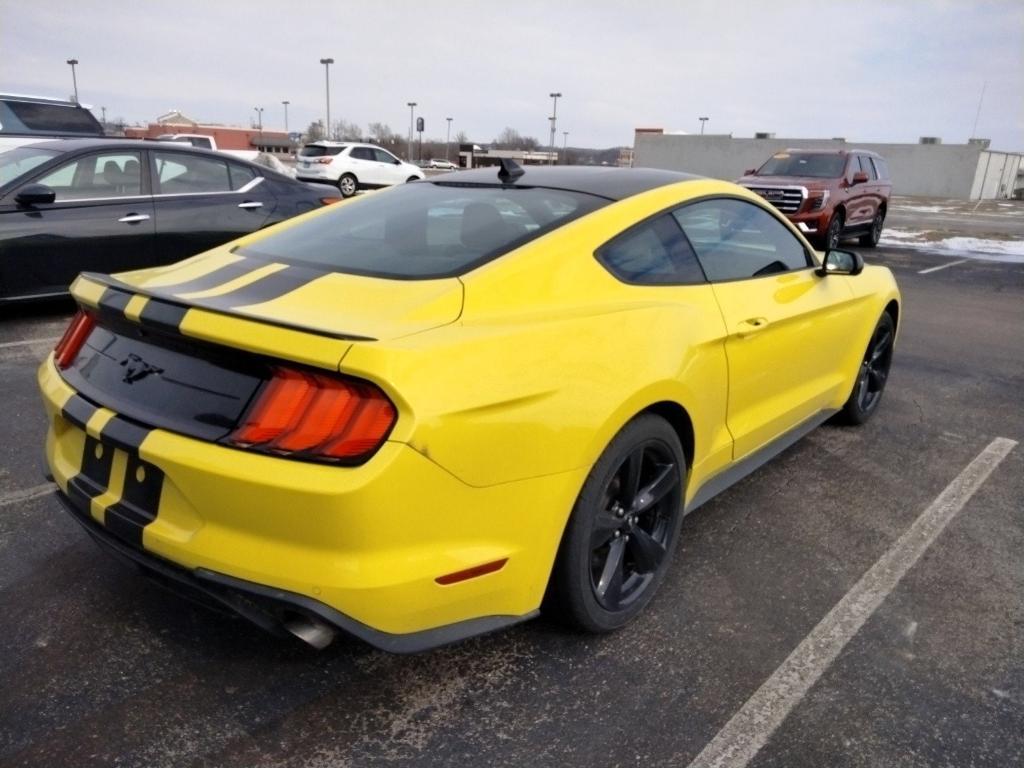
(623, 528)
(873, 373)
(347, 185)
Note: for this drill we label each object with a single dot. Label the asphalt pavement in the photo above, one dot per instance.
(99, 668)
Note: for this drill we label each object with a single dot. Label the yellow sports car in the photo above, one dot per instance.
(418, 415)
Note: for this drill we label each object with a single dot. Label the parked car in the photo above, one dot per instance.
(115, 204)
(353, 166)
(445, 164)
(829, 195)
(28, 119)
(411, 416)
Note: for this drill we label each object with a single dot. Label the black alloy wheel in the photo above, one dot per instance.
(870, 240)
(619, 541)
(835, 229)
(873, 373)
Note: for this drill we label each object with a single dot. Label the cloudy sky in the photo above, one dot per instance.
(868, 70)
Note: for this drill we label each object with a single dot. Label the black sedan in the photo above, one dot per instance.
(111, 205)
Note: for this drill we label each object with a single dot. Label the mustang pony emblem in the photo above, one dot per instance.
(135, 369)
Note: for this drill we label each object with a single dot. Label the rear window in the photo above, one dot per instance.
(316, 150)
(803, 164)
(54, 118)
(424, 230)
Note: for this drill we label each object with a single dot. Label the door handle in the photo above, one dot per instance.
(134, 218)
(251, 204)
(752, 325)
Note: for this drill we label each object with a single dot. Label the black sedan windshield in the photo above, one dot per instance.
(817, 166)
(424, 230)
(15, 162)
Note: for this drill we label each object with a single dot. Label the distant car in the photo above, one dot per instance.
(115, 204)
(353, 166)
(829, 195)
(445, 164)
(28, 119)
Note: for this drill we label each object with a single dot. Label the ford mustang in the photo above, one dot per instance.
(426, 413)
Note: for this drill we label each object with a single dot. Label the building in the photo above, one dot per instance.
(929, 168)
(473, 156)
(226, 136)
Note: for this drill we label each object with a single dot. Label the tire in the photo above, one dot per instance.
(872, 374)
(347, 185)
(834, 232)
(870, 240)
(619, 540)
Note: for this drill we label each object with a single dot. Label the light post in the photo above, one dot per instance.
(565, 140)
(104, 110)
(702, 121)
(448, 140)
(554, 117)
(286, 103)
(412, 109)
(74, 78)
(327, 79)
(259, 124)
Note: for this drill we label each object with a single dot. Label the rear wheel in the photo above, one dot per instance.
(347, 185)
(870, 240)
(412, 178)
(619, 540)
(873, 373)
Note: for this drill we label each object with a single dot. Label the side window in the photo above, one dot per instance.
(384, 157)
(881, 169)
(853, 167)
(361, 153)
(868, 167)
(652, 253)
(181, 173)
(737, 240)
(110, 174)
(240, 175)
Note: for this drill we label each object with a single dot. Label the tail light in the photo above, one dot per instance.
(74, 337)
(325, 160)
(315, 416)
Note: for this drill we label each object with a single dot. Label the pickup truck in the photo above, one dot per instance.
(828, 194)
(208, 142)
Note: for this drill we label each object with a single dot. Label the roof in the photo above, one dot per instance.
(609, 182)
(41, 100)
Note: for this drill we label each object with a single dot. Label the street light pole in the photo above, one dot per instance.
(259, 122)
(448, 140)
(286, 103)
(327, 79)
(702, 121)
(412, 110)
(554, 117)
(74, 78)
(565, 140)
(104, 110)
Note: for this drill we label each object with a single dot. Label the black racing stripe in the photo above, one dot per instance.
(124, 434)
(78, 411)
(139, 501)
(267, 288)
(94, 477)
(217, 277)
(114, 301)
(163, 315)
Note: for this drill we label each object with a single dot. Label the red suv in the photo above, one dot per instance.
(828, 194)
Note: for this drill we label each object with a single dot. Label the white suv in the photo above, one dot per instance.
(352, 166)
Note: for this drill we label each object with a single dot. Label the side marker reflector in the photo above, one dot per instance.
(472, 573)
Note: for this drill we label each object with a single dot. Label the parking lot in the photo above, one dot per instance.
(98, 667)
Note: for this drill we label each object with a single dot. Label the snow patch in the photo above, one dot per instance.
(1008, 251)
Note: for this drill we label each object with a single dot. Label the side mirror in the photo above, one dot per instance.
(750, 172)
(860, 178)
(838, 262)
(35, 194)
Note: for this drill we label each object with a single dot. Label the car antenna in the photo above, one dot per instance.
(510, 170)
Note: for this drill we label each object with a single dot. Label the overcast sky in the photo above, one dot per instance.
(869, 71)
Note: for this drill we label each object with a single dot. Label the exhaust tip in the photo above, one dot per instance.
(310, 631)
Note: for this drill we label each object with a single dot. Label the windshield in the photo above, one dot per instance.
(317, 150)
(15, 162)
(818, 166)
(424, 230)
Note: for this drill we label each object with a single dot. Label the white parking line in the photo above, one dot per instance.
(29, 342)
(942, 266)
(751, 727)
(27, 494)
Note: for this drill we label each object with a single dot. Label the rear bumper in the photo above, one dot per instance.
(366, 543)
(269, 608)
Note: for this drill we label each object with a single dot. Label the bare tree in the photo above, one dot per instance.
(510, 138)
